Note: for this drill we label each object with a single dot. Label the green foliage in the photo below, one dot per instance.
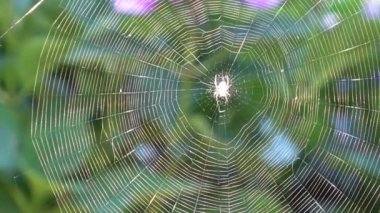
(23, 187)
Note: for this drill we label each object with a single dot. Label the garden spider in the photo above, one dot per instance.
(221, 88)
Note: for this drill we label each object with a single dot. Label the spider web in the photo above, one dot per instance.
(125, 118)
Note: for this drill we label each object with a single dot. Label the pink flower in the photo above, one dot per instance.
(134, 7)
(263, 4)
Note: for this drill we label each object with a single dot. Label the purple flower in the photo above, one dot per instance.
(263, 4)
(372, 9)
(134, 7)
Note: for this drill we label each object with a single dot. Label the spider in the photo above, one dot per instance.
(221, 88)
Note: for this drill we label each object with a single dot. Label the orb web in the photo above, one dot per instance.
(125, 117)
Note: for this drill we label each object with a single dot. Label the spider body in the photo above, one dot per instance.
(221, 88)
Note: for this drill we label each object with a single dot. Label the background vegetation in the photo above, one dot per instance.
(23, 187)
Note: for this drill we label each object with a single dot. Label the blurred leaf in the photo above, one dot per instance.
(8, 151)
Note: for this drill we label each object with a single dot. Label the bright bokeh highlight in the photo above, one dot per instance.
(372, 9)
(134, 7)
(263, 4)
